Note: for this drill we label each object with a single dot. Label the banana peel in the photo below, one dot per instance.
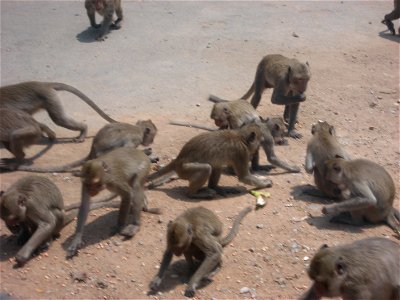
(261, 198)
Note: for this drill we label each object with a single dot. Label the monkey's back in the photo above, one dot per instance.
(13, 119)
(243, 111)
(202, 218)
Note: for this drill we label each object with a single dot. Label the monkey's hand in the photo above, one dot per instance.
(21, 259)
(302, 97)
(329, 210)
(101, 38)
(294, 169)
(389, 25)
(190, 291)
(73, 249)
(155, 284)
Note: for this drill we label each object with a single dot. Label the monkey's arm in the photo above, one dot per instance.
(91, 14)
(311, 294)
(166, 260)
(82, 216)
(310, 163)
(279, 97)
(107, 21)
(274, 160)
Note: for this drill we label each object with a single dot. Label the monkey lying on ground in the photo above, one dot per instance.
(196, 234)
(105, 8)
(368, 190)
(235, 114)
(363, 270)
(32, 96)
(33, 208)
(394, 15)
(122, 171)
(323, 146)
(203, 157)
(111, 136)
(18, 130)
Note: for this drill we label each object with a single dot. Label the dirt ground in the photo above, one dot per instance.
(162, 65)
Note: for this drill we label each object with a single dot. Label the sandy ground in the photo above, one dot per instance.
(162, 65)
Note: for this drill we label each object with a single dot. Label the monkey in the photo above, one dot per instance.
(366, 269)
(288, 78)
(122, 171)
(105, 8)
(368, 190)
(33, 208)
(18, 130)
(111, 136)
(31, 96)
(203, 157)
(394, 15)
(196, 233)
(323, 146)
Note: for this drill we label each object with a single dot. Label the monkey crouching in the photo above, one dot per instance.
(196, 234)
(367, 269)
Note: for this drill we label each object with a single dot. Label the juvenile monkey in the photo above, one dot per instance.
(123, 171)
(323, 146)
(18, 130)
(105, 8)
(33, 208)
(33, 96)
(196, 234)
(289, 78)
(203, 157)
(394, 15)
(363, 270)
(368, 190)
(111, 136)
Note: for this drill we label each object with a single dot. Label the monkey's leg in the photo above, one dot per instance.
(107, 21)
(137, 204)
(394, 15)
(255, 164)
(213, 252)
(57, 114)
(294, 108)
(118, 12)
(90, 10)
(259, 86)
(21, 137)
(50, 133)
(286, 113)
(244, 176)
(156, 282)
(197, 174)
(213, 184)
(274, 160)
(353, 204)
(124, 210)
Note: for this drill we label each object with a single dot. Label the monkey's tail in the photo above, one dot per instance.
(59, 169)
(216, 99)
(248, 93)
(393, 220)
(65, 87)
(163, 171)
(188, 124)
(235, 227)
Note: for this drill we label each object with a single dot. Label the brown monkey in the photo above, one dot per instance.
(123, 171)
(394, 15)
(105, 8)
(111, 136)
(368, 190)
(196, 234)
(363, 270)
(289, 78)
(203, 157)
(32, 96)
(323, 146)
(33, 207)
(18, 130)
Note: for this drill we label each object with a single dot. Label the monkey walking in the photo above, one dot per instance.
(367, 269)
(33, 208)
(394, 15)
(368, 190)
(33, 96)
(105, 8)
(202, 158)
(111, 136)
(323, 146)
(196, 234)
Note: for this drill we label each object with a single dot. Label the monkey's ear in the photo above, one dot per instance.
(277, 127)
(21, 201)
(339, 156)
(190, 230)
(251, 137)
(324, 246)
(331, 130)
(147, 130)
(105, 167)
(169, 224)
(340, 266)
(313, 129)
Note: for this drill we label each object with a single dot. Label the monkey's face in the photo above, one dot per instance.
(220, 114)
(299, 75)
(149, 132)
(277, 129)
(93, 177)
(179, 237)
(13, 211)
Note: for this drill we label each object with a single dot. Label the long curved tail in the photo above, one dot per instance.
(235, 227)
(65, 87)
(248, 93)
(190, 125)
(393, 220)
(59, 169)
(216, 99)
(163, 171)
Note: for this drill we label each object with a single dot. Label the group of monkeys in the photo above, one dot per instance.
(363, 191)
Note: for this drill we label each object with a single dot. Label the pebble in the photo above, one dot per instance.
(260, 226)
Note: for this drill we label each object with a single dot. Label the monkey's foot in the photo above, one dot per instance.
(129, 231)
(148, 151)
(190, 291)
(389, 25)
(204, 193)
(101, 38)
(294, 169)
(79, 139)
(225, 191)
(294, 134)
(154, 285)
(73, 249)
(115, 26)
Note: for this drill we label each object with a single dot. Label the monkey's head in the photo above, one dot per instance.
(93, 176)
(334, 170)
(252, 136)
(329, 271)
(322, 127)
(13, 209)
(149, 131)
(298, 76)
(221, 113)
(179, 237)
(276, 126)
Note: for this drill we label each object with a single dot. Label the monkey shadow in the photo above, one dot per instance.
(297, 192)
(64, 140)
(88, 35)
(9, 246)
(96, 231)
(386, 34)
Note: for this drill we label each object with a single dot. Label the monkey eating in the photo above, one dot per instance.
(368, 190)
(32, 96)
(111, 136)
(196, 234)
(122, 171)
(363, 270)
(203, 157)
(105, 8)
(18, 130)
(33, 208)
(323, 146)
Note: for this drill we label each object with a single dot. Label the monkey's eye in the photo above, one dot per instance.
(336, 168)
